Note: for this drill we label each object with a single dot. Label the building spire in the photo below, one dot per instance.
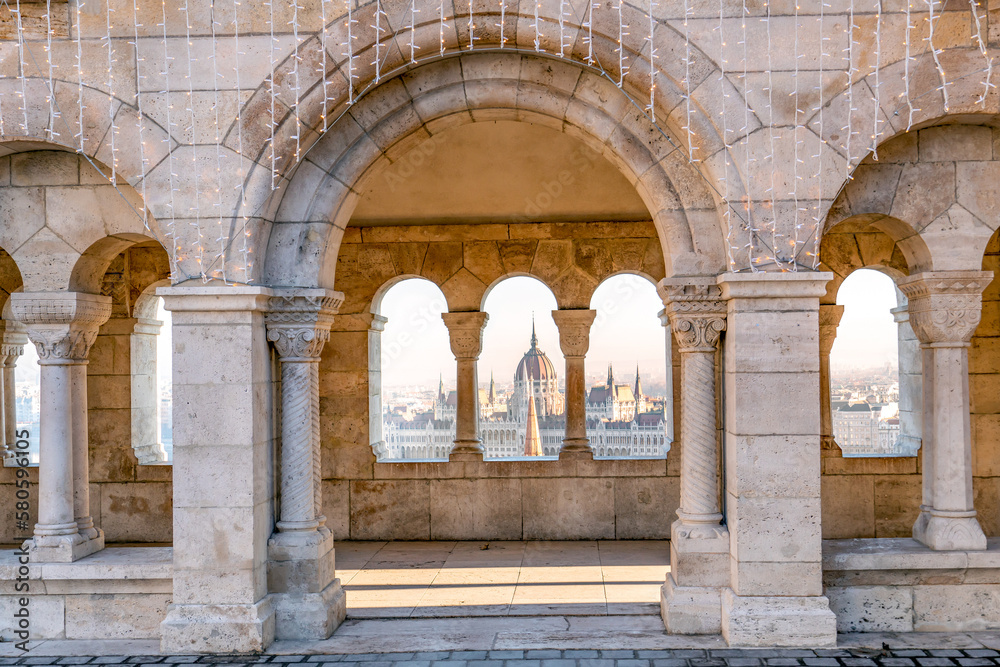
(638, 383)
(441, 385)
(493, 392)
(532, 436)
(611, 377)
(534, 338)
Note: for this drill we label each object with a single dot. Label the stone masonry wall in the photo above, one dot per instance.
(494, 499)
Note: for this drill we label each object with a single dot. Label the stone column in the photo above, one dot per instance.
(223, 485)
(375, 435)
(574, 339)
(466, 332)
(63, 326)
(772, 461)
(699, 545)
(308, 599)
(668, 399)
(14, 340)
(145, 396)
(945, 309)
(910, 381)
(829, 320)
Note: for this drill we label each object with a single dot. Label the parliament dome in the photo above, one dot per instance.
(535, 364)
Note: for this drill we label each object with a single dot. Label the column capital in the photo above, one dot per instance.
(829, 320)
(574, 330)
(466, 333)
(787, 285)
(696, 312)
(298, 321)
(945, 306)
(12, 342)
(62, 325)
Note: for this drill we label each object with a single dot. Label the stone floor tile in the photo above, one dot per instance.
(670, 662)
(109, 659)
(945, 653)
(896, 662)
(295, 658)
(40, 660)
(742, 662)
(504, 655)
(707, 662)
(74, 660)
(559, 662)
(649, 655)
(325, 658)
(581, 653)
(935, 662)
(596, 662)
(485, 663)
(982, 653)
(543, 654)
(468, 655)
(524, 663)
(632, 663)
(975, 662)
(858, 662)
(832, 653)
(908, 652)
(180, 659)
(432, 655)
(618, 654)
(449, 663)
(781, 662)
(412, 663)
(820, 662)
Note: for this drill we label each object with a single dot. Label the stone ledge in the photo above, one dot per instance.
(904, 562)
(518, 468)
(113, 570)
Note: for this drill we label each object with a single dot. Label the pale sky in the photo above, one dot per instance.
(627, 331)
(867, 333)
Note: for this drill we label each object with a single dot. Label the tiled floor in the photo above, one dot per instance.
(435, 579)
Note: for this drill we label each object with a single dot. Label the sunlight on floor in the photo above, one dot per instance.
(436, 579)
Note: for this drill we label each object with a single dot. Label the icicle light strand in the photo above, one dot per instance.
(138, 105)
(112, 128)
(198, 242)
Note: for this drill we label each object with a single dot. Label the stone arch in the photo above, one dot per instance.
(319, 200)
(62, 222)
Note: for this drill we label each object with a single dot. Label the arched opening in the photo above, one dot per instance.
(627, 334)
(524, 391)
(152, 423)
(865, 368)
(416, 374)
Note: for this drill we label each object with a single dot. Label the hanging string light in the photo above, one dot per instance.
(849, 72)
(245, 229)
(223, 235)
(112, 128)
(748, 206)
(727, 212)
(877, 93)
(818, 157)
(652, 61)
(589, 24)
(198, 242)
(413, 29)
(502, 25)
(622, 66)
(536, 25)
(171, 167)
(688, 127)
(270, 86)
(771, 189)
(138, 105)
(936, 52)
(377, 63)
(296, 58)
(50, 92)
(441, 26)
(22, 69)
(907, 58)
(981, 43)
(562, 28)
(472, 27)
(79, 71)
(323, 36)
(796, 132)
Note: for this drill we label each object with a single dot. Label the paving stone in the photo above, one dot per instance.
(632, 663)
(40, 660)
(981, 653)
(524, 663)
(897, 662)
(781, 662)
(505, 655)
(975, 662)
(468, 655)
(670, 662)
(449, 663)
(432, 655)
(543, 654)
(597, 662)
(618, 655)
(327, 658)
(653, 654)
(562, 662)
(908, 653)
(935, 662)
(109, 660)
(945, 653)
(412, 663)
(588, 653)
(743, 662)
(820, 662)
(858, 662)
(485, 663)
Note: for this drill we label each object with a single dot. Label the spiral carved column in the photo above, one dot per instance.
(310, 602)
(699, 544)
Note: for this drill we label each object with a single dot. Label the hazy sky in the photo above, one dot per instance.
(627, 331)
(867, 333)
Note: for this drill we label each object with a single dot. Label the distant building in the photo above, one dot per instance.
(866, 429)
(621, 420)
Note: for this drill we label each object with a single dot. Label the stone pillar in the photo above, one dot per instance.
(772, 461)
(309, 601)
(910, 381)
(223, 461)
(945, 309)
(668, 399)
(14, 340)
(466, 332)
(574, 340)
(829, 320)
(63, 326)
(699, 545)
(144, 383)
(375, 435)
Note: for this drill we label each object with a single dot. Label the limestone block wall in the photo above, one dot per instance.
(494, 499)
(924, 205)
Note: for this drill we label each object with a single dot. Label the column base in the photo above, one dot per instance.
(920, 525)
(300, 562)
(699, 555)
(64, 548)
(576, 451)
(950, 532)
(690, 610)
(309, 615)
(465, 455)
(777, 621)
(218, 628)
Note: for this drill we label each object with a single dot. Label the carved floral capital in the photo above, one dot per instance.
(829, 320)
(466, 333)
(574, 330)
(62, 325)
(697, 314)
(945, 306)
(298, 322)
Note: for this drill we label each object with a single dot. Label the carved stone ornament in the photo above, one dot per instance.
(62, 325)
(697, 314)
(945, 306)
(298, 323)
(574, 330)
(829, 320)
(466, 333)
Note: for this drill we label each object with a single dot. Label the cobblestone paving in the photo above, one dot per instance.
(576, 658)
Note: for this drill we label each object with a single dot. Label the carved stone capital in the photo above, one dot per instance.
(696, 311)
(574, 330)
(298, 321)
(12, 343)
(829, 320)
(945, 306)
(62, 325)
(466, 333)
